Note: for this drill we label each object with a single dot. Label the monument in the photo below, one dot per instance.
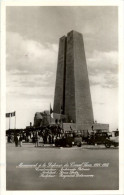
(72, 99)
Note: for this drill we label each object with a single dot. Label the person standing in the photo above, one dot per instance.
(18, 136)
(20, 140)
(16, 140)
(50, 139)
(36, 140)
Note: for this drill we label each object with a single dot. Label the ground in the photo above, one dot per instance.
(104, 178)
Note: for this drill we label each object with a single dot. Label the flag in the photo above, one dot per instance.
(51, 111)
(8, 115)
(11, 114)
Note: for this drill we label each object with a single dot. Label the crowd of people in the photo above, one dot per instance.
(45, 135)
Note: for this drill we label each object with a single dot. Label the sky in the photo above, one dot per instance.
(32, 40)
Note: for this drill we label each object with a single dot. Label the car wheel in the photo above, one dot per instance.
(79, 144)
(107, 145)
(115, 145)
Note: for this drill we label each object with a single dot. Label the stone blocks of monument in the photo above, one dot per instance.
(72, 91)
(60, 77)
(78, 104)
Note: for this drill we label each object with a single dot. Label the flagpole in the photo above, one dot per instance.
(15, 119)
(9, 120)
(50, 113)
(50, 118)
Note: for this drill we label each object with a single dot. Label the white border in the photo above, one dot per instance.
(121, 96)
(120, 4)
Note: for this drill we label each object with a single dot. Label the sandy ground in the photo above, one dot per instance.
(29, 179)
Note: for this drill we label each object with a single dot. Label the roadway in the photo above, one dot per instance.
(27, 178)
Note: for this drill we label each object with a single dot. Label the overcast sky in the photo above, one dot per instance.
(32, 48)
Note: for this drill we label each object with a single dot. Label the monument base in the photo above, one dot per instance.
(86, 127)
(61, 119)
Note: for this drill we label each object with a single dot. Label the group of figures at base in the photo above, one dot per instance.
(45, 136)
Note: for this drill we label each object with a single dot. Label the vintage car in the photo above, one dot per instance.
(69, 139)
(106, 138)
(113, 140)
(97, 138)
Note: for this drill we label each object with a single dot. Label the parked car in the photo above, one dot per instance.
(97, 138)
(113, 140)
(69, 139)
(106, 138)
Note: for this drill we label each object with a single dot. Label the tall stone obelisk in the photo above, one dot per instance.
(59, 97)
(78, 104)
(72, 91)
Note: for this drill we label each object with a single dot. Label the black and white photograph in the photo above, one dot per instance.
(62, 98)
